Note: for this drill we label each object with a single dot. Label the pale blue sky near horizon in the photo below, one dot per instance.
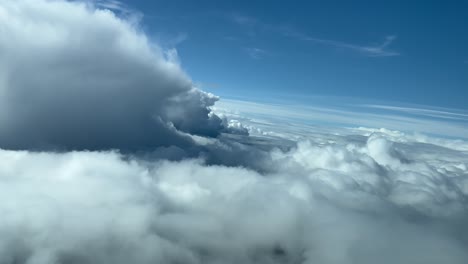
(383, 52)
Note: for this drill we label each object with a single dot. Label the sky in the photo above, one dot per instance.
(379, 51)
(209, 132)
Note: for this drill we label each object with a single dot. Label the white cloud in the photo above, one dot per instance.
(305, 117)
(112, 5)
(169, 41)
(345, 201)
(75, 76)
(378, 50)
(375, 50)
(444, 113)
(292, 193)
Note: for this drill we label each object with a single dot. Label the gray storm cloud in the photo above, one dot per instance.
(82, 80)
(76, 77)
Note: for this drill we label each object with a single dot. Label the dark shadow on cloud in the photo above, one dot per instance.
(229, 149)
(76, 77)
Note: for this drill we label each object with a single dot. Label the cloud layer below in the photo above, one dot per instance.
(339, 112)
(361, 199)
(191, 186)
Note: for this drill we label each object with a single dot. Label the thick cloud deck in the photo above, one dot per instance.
(366, 200)
(76, 77)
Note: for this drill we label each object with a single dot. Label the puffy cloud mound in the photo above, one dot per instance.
(73, 76)
(421, 180)
(347, 201)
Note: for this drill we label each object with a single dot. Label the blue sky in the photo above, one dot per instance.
(389, 52)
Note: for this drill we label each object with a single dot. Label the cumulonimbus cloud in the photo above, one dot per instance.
(73, 76)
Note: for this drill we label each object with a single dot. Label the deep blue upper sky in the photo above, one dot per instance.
(389, 51)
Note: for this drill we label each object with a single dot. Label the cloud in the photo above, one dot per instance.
(256, 53)
(380, 50)
(440, 113)
(78, 77)
(194, 187)
(171, 40)
(304, 117)
(351, 200)
(377, 50)
(121, 9)
(112, 5)
(243, 19)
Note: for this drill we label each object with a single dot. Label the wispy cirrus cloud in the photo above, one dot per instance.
(243, 19)
(179, 38)
(442, 114)
(113, 5)
(170, 41)
(430, 121)
(256, 53)
(119, 8)
(380, 49)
